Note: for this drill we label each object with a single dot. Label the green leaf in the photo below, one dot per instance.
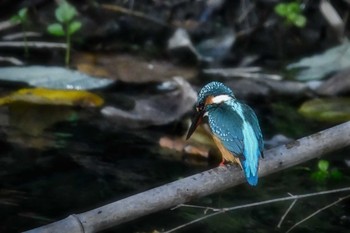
(323, 165)
(296, 19)
(281, 9)
(300, 21)
(73, 27)
(15, 19)
(336, 174)
(292, 13)
(293, 7)
(65, 12)
(56, 29)
(22, 13)
(291, 16)
(319, 176)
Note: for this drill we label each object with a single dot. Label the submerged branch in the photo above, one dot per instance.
(202, 184)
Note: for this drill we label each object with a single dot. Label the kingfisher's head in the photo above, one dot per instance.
(212, 94)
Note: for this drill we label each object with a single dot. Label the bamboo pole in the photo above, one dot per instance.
(200, 185)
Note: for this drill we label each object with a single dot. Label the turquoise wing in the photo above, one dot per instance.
(251, 117)
(237, 126)
(226, 124)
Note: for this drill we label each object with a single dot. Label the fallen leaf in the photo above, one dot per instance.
(89, 63)
(53, 97)
(52, 78)
(330, 110)
(179, 149)
(176, 144)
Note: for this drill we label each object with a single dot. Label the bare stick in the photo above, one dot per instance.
(12, 60)
(33, 44)
(318, 211)
(202, 184)
(295, 197)
(285, 214)
(20, 35)
(7, 24)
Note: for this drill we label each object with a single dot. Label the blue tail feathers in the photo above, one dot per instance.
(252, 180)
(251, 172)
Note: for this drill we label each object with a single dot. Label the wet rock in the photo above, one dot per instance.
(154, 110)
(336, 85)
(320, 65)
(246, 88)
(181, 48)
(291, 88)
(218, 47)
(212, 49)
(252, 81)
(129, 68)
(333, 18)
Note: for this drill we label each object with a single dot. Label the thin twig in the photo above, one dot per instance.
(285, 214)
(295, 197)
(318, 211)
(206, 208)
(245, 13)
(136, 14)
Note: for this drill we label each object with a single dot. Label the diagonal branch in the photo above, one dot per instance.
(285, 214)
(201, 184)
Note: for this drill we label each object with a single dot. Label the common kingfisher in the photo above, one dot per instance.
(234, 126)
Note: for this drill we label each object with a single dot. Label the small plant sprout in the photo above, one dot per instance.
(323, 173)
(66, 25)
(292, 13)
(22, 18)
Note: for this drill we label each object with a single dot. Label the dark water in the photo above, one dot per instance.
(76, 166)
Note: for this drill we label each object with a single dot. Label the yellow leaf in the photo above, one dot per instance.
(53, 97)
(327, 109)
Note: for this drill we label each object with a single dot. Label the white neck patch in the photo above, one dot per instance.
(220, 98)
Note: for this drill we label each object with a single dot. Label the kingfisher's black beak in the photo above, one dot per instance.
(196, 120)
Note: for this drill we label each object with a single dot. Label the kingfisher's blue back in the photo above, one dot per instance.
(235, 125)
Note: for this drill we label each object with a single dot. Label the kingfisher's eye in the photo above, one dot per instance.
(200, 107)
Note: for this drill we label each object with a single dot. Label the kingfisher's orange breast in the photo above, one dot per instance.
(226, 154)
